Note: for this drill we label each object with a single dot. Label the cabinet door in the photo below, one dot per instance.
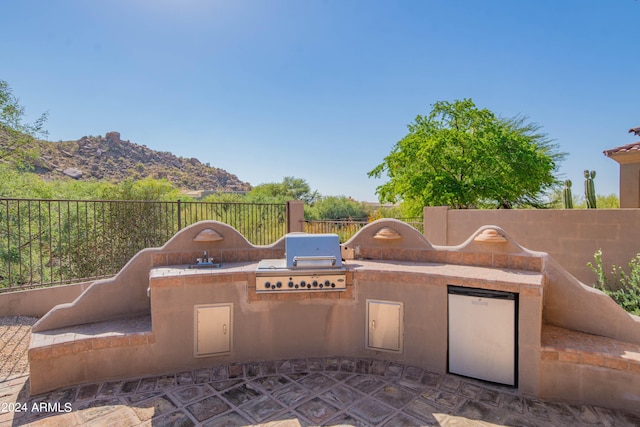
(213, 329)
(384, 325)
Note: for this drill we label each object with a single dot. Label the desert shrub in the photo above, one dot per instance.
(623, 287)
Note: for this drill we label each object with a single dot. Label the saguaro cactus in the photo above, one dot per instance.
(589, 189)
(567, 197)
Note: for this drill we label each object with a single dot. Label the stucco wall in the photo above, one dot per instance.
(570, 304)
(37, 302)
(126, 293)
(630, 185)
(570, 236)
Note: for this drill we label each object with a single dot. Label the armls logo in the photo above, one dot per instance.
(51, 407)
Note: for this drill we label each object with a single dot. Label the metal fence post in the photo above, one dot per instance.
(179, 216)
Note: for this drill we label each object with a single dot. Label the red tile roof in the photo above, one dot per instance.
(629, 148)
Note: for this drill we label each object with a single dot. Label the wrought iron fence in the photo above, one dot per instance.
(47, 242)
(348, 227)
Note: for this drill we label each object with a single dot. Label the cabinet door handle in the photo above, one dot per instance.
(373, 324)
(224, 329)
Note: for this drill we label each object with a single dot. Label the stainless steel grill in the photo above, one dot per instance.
(312, 263)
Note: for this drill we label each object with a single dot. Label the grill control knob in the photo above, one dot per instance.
(309, 286)
(296, 286)
(315, 283)
(303, 283)
(279, 284)
(321, 285)
(267, 285)
(291, 284)
(333, 285)
(327, 283)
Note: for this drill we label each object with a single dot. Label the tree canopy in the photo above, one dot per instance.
(464, 157)
(337, 208)
(279, 192)
(14, 133)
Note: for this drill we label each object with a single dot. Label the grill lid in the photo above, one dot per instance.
(305, 250)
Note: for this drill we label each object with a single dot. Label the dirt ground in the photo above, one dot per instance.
(15, 334)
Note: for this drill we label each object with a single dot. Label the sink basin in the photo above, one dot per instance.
(205, 265)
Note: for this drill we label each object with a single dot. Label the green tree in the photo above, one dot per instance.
(463, 157)
(289, 189)
(337, 207)
(225, 198)
(14, 133)
(143, 189)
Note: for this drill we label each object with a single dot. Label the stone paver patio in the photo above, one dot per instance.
(297, 392)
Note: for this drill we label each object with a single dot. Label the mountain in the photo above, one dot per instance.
(110, 158)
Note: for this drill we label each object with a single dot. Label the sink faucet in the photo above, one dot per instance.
(205, 258)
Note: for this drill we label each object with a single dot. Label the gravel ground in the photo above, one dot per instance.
(15, 334)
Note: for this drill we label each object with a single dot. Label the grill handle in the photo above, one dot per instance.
(314, 261)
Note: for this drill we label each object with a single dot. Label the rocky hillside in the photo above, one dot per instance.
(111, 159)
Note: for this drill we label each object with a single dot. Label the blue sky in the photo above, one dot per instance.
(322, 90)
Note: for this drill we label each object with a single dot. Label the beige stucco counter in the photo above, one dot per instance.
(492, 277)
(186, 270)
(284, 325)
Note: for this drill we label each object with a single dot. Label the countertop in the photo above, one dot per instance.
(357, 266)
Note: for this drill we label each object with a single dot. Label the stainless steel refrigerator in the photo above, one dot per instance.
(483, 334)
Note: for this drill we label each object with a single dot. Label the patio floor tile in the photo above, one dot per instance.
(304, 392)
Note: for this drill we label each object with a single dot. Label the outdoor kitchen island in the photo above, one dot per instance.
(393, 307)
(254, 326)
